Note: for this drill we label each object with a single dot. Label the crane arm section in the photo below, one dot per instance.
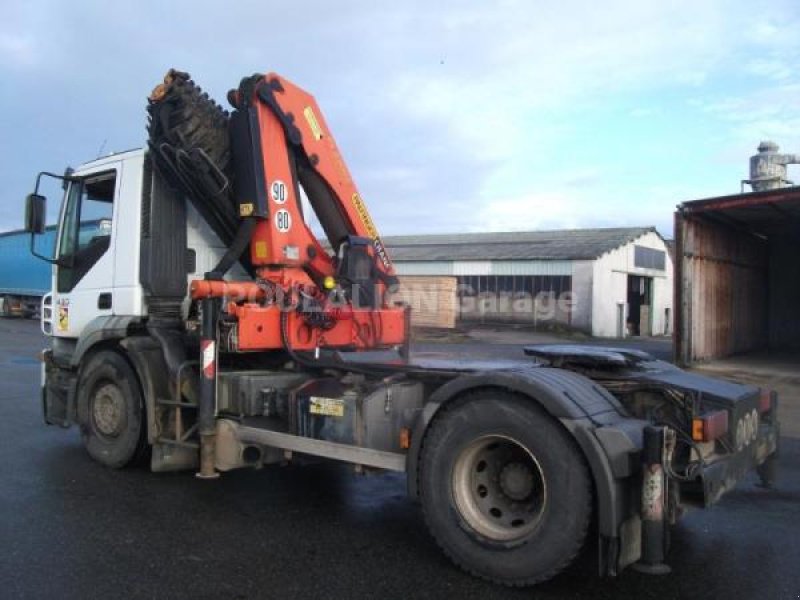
(280, 142)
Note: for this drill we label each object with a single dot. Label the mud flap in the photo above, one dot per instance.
(58, 403)
(768, 470)
(58, 396)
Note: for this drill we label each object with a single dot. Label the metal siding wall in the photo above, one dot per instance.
(724, 274)
(530, 267)
(464, 267)
(582, 294)
(423, 267)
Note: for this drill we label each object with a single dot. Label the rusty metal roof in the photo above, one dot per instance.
(564, 244)
(771, 212)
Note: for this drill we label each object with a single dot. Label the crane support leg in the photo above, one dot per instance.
(208, 387)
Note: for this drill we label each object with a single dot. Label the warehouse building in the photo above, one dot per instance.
(611, 282)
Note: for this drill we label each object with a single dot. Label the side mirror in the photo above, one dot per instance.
(35, 213)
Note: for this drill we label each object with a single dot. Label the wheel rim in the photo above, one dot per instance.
(499, 488)
(108, 410)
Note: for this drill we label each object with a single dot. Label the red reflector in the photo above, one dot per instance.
(710, 427)
(765, 401)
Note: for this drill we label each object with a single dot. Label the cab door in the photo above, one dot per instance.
(84, 274)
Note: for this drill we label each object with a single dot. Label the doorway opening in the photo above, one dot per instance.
(640, 305)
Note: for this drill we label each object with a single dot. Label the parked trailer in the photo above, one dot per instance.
(737, 278)
(24, 279)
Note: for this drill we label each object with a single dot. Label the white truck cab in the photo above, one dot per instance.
(98, 254)
(97, 244)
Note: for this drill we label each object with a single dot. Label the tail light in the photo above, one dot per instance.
(710, 426)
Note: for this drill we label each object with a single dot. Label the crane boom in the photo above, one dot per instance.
(277, 143)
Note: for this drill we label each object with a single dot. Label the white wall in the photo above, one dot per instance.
(582, 300)
(609, 287)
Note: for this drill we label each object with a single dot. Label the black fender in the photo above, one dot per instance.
(98, 330)
(100, 333)
(65, 362)
(146, 354)
(151, 353)
(583, 407)
(147, 358)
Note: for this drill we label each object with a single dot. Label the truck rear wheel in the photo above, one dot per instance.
(504, 489)
(113, 427)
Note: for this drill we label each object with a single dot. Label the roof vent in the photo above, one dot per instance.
(768, 168)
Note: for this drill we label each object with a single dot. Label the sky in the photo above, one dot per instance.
(452, 116)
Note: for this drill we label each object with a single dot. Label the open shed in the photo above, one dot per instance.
(737, 275)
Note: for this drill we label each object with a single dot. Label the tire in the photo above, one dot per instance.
(504, 489)
(111, 405)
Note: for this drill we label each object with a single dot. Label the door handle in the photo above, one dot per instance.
(104, 301)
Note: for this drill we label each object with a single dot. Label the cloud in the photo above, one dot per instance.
(451, 116)
(770, 68)
(18, 51)
(771, 111)
(535, 210)
(643, 112)
(538, 70)
(607, 201)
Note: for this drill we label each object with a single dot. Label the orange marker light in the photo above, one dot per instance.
(697, 429)
(709, 427)
(405, 438)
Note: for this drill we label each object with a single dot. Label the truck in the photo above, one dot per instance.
(24, 279)
(208, 329)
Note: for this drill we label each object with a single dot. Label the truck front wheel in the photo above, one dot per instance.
(113, 423)
(504, 489)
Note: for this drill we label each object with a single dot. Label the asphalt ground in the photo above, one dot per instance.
(70, 528)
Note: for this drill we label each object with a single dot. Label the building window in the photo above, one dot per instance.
(470, 285)
(649, 258)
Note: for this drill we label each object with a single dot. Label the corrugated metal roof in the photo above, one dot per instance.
(425, 267)
(486, 267)
(564, 244)
(530, 267)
